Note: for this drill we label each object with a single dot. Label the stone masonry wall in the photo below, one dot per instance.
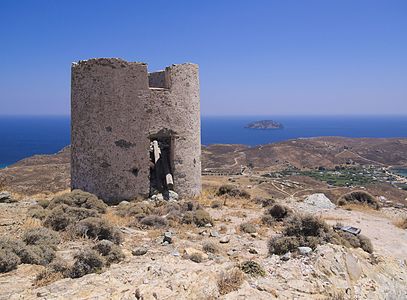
(114, 114)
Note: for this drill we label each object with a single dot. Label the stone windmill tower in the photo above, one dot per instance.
(135, 133)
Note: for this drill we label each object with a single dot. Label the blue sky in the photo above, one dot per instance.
(256, 57)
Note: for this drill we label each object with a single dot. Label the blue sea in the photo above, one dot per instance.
(25, 136)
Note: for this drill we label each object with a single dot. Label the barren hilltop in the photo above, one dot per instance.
(270, 224)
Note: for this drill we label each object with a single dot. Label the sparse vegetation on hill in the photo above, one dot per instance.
(232, 191)
(145, 224)
(359, 197)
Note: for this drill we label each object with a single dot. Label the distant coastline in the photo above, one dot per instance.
(25, 136)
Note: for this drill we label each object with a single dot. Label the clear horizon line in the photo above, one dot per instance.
(239, 115)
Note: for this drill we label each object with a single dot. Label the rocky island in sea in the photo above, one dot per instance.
(265, 124)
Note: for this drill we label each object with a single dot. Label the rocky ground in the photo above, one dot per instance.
(185, 267)
(166, 271)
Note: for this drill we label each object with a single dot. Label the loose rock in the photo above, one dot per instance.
(304, 250)
(224, 240)
(167, 237)
(139, 251)
(214, 233)
(286, 256)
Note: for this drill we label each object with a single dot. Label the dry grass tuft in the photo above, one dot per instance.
(30, 223)
(217, 204)
(401, 223)
(196, 257)
(247, 228)
(202, 217)
(210, 247)
(230, 281)
(116, 220)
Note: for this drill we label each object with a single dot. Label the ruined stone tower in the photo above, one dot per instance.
(119, 111)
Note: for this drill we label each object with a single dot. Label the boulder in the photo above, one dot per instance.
(319, 200)
(5, 197)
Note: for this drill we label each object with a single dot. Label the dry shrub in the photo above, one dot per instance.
(8, 261)
(196, 257)
(282, 244)
(86, 262)
(111, 252)
(335, 295)
(210, 247)
(349, 239)
(278, 212)
(217, 204)
(232, 191)
(188, 218)
(41, 236)
(268, 220)
(167, 208)
(359, 197)
(46, 277)
(190, 206)
(78, 198)
(55, 271)
(302, 230)
(154, 221)
(37, 212)
(43, 203)
(40, 253)
(274, 214)
(252, 268)
(265, 202)
(365, 244)
(306, 225)
(356, 241)
(247, 227)
(230, 281)
(97, 228)
(31, 223)
(61, 216)
(202, 217)
(138, 210)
